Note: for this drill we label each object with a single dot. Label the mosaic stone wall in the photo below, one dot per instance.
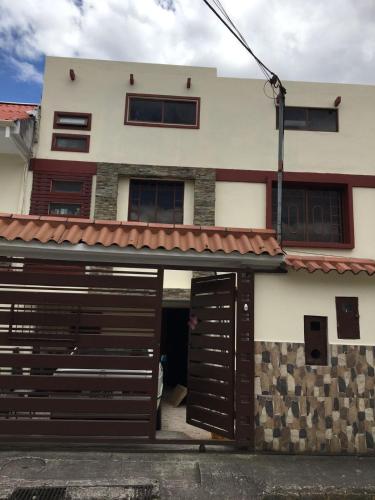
(324, 409)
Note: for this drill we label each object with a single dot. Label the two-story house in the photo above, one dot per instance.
(181, 147)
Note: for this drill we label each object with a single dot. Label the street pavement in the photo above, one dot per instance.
(185, 473)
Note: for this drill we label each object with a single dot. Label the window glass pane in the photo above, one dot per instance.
(301, 118)
(73, 143)
(323, 119)
(77, 121)
(153, 201)
(147, 203)
(324, 216)
(180, 112)
(64, 209)
(295, 118)
(145, 110)
(66, 186)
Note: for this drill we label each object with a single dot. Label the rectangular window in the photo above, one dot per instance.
(314, 119)
(70, 142)
(64, 209)
(347, 314)
(311, 213)
(59, 186)
(162, 111)
(156, 201)
(70, 120)
(315, 329)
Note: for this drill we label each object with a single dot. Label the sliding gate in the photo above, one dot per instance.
(79, 350)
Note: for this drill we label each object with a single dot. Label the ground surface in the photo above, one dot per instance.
(174, 420)
(187, 474)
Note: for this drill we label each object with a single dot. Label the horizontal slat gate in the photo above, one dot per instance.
(210, 403)
(79, 350)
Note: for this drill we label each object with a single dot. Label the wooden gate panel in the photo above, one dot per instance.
(210, 403)
(79, 350)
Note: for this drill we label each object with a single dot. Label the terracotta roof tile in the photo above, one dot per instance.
(12, 111)
(313, 263)
(138, 235)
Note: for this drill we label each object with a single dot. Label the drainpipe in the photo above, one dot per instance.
(280, 168)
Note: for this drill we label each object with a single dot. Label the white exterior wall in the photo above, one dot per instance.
(237, 122)
(240, 204)
(282, 300)
(16, 184)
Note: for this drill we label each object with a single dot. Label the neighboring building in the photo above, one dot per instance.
(179, 145)
(17, 129)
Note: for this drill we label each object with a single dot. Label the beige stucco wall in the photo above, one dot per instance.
(16, 184)
(282, 300)
(237, 121)
(240, 204)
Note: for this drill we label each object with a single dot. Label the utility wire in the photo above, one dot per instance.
(228, 23)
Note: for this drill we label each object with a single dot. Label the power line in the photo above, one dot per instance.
(228, 23)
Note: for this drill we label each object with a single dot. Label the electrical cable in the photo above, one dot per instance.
(271, 77)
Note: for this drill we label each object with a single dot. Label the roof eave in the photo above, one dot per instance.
(169, 259)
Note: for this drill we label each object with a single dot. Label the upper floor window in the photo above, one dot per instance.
(70, 120)
(70, 142)
(156, 201)
(315, 119)
(312, 214)
(162, 111)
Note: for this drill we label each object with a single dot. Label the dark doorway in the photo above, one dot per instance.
(174, 345)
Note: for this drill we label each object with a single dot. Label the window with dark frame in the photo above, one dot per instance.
(347, 314)
(70, 142)
(163, 111)
(312, 213)
(314, 119)
(72, 120)
(156, 201)
(316, 340)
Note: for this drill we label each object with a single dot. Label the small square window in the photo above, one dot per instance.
(64, 209)
(70, 120)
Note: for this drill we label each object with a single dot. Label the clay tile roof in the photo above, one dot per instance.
(137, 235)
(312, 263)
(13, 111)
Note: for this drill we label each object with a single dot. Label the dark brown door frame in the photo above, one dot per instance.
(244, 384)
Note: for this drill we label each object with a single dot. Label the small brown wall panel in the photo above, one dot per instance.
(315, 340)
(347, 317)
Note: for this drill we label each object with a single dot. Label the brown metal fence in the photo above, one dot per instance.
(79, 350)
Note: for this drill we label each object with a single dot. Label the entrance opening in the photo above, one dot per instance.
(174, 359)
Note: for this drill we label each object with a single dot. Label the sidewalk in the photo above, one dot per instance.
(188, 474)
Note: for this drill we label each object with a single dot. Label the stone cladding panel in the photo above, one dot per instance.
(323, 409)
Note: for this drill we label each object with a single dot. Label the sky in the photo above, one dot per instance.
(319, 40)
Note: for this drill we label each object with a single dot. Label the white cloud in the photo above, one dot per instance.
(25, 71)
(298, 39)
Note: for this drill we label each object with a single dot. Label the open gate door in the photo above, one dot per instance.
(210, 401)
